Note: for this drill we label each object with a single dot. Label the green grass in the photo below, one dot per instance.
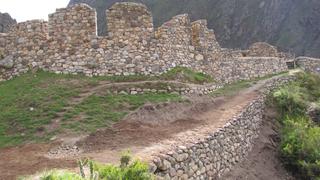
(59, 175)
(236, 87)
(101, 111)
(29, 103)
(300, 136)
(232, 89)
(187, 75)
(136, 170)
(181, 74)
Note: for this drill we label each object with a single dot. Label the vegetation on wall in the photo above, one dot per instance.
(300, 136)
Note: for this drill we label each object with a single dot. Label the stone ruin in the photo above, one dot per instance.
(68, 43)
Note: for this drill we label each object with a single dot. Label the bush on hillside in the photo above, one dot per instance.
(300, 146)
(300, 136)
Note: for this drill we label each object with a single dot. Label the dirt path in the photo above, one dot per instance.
(141, 138)
(263, 162)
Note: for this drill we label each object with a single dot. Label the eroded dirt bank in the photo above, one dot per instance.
(263, 162)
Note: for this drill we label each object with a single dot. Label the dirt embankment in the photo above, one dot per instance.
(263, 162)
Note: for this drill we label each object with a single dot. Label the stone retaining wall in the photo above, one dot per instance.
(215, 155)
(309, 64)
(68, 43)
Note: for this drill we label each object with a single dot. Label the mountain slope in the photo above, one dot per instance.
(5, 22)
(292, 25)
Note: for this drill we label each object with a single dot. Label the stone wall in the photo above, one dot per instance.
(309, 64)
(211, 157)
(244, 68)
(68, 43)
(262, 49)
(73, 26)
(129, 23)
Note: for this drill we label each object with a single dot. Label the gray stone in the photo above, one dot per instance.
(7, 62)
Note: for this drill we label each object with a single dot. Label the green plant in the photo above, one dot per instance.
(300, 146)
(60, 175)
(300, 136)
(186, 75)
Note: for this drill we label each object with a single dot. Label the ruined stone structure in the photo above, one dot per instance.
(262, 49)
(309, 64)
(68, 43)
(216, 153)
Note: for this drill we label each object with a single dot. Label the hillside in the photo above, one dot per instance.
(5, 22)
(292, 25)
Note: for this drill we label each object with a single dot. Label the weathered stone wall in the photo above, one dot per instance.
(129, 23)
(262, 49)
(68, 43)
(309, 64)
(211, 157)
(204, 39)
(73, 26)
(244, 68)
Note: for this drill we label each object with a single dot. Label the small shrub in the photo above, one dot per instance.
(134, 171)
(300, 146)
(125, 159)
(290, 100)
(89, 170)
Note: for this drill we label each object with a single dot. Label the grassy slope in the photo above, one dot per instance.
(30, 102)
(234, 88)
(300, 136)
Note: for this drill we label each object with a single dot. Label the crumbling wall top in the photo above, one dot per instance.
(262, 49)
(29, 28)
(129, 22)
(175, 31)
(203, 38)
(75, 25)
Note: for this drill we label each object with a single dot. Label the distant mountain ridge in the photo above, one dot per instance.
(292, 25)
(5, 22)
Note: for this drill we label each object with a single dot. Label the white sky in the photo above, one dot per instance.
(23, 10)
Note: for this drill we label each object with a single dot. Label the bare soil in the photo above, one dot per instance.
(263, 162)
(150, 129)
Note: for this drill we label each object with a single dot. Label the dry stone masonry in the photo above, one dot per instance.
(68, 43)
(309, 64)
(211, 157)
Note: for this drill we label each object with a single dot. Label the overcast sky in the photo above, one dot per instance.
(23, 10)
